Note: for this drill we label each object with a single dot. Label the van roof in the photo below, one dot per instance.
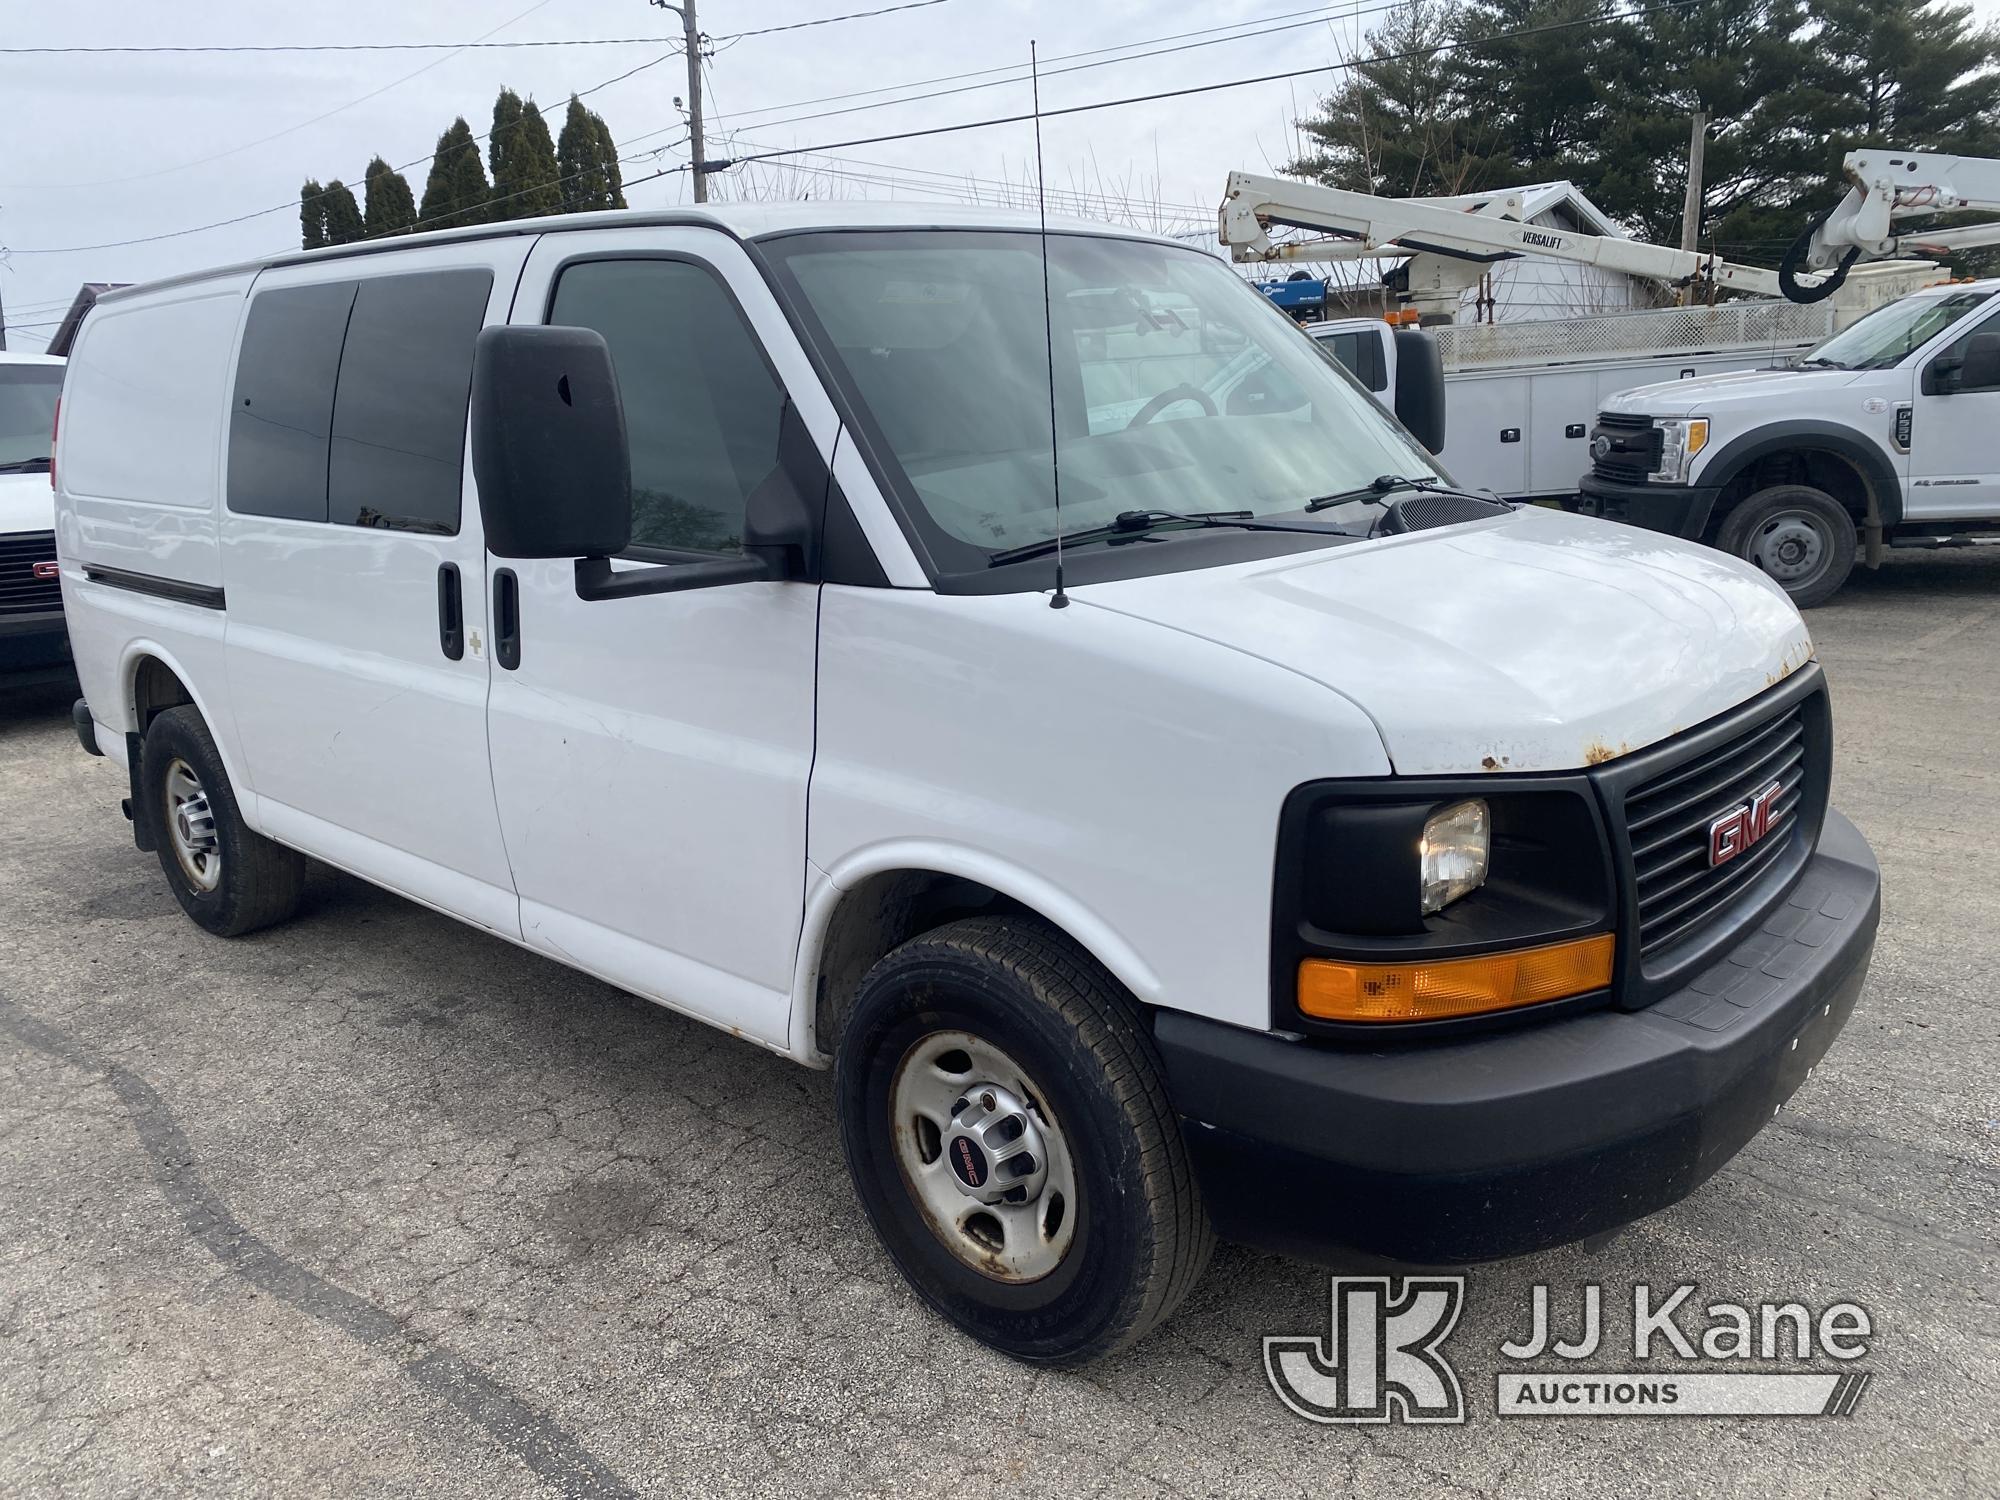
(743, 221)
(7, 357)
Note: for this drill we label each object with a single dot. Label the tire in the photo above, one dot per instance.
(227, 878)
(1802, 538)
(1116, 1235)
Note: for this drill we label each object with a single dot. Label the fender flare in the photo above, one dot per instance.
(1054, 905)
(1802, 433)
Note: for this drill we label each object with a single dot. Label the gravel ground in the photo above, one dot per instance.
(370, 1203)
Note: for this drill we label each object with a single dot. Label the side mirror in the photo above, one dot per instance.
(1979, 367)
(548, 443)
(1420, 387)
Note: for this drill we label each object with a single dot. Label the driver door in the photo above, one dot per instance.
(1954, 450)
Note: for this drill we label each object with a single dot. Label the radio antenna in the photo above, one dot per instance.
(1061, 600)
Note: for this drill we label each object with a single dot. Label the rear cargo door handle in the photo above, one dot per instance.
(507, 619)
(451, 612)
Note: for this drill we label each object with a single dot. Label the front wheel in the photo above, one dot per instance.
(1802, 538)
(1007, 1129)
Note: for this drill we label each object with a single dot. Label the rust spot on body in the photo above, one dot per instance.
(1494, 763)
(1596, 753)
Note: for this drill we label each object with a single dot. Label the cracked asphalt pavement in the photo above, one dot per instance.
(370, 1203)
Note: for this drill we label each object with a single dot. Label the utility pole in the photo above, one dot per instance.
(1691, 205)
(691, 35)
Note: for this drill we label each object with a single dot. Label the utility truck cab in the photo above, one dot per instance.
(929, 648)
(1884, 434)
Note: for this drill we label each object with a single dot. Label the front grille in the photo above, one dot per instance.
(21, 592)
(1668, 820)
(1634, 451)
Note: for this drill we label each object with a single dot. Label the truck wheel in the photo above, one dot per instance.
(229, 879)
(1801, 537)
(1005, 1123)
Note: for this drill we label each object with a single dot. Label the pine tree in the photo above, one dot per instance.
(1744, 63)
(1403, 123)
(587, 163)
(391, 209)
(1532, 67)
(523, 160)
(312, 215)
(343, 214)
(455, 192)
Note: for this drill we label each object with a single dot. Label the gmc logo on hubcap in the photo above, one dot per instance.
(1740, 827)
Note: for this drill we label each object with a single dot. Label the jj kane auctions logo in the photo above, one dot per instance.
(1382, 1357)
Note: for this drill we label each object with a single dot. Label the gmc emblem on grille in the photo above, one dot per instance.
(47, 570)
(1740, 827)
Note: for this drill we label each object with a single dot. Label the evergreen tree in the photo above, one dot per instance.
(1540, 86)
(587, 163)
(455, 192)
(523, 160)
(391, 209)
(312, 215)
(343, 214)
(1746, 64)
(1402, 123)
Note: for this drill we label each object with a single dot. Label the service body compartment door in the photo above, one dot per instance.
(651, 754)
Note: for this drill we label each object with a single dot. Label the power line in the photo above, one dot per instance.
(291, 129)
(996, 120)
(853, 15)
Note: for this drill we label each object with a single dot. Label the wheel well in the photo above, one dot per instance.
(1823, 469)
(155, 689)
(879, 915)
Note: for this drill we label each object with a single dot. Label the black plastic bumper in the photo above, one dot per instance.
(34, 645)
(1678, 509)
(1514, 1141)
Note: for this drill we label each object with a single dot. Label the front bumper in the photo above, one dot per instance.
(1512, 1142)
(1677, 509)
(34, 645)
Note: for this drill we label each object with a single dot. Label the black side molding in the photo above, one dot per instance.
(180, 591)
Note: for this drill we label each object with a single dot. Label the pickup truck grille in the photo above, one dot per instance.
(21, 592)
(1630, 444)
(1670, 820)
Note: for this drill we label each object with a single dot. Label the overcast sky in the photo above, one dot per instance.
(205, 137)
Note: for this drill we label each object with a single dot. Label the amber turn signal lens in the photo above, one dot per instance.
(1332, 990)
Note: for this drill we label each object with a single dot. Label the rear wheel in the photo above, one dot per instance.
(1802, 538)
(1004, 1119)
(229, 879)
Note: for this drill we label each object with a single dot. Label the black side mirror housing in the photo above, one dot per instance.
(1420, 387)
(785, 515)
(548, 443)
(1979, 366)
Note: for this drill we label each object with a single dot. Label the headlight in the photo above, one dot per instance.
(1454, 852)
(1681, 438)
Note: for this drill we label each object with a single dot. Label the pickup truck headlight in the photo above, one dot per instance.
(1453, 853)
(1681, 438)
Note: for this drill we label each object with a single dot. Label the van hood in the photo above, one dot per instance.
(26, 503)
(1534, 642)
(1677, 398)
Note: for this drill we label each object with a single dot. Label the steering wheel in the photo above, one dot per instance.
(1171, 397)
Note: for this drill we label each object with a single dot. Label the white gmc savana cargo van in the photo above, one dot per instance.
(1352, 864)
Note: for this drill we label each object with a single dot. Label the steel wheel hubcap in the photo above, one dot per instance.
(985, 1162)
(1789, 547)
(191, 827)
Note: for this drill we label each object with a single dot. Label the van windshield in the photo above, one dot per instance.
(1177, 386)
(1889, 335)
(27, 414)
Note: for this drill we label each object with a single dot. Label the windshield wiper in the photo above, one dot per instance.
(1135, 523)
(1387, 484)
(1822, 364)
(26, 466)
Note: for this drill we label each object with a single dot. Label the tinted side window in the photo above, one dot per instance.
(398, 447)
(282, 410)
(701, 406)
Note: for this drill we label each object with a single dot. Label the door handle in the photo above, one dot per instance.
(507, 619)
(451, 612)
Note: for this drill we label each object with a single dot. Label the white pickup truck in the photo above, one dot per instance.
(1883, 434)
